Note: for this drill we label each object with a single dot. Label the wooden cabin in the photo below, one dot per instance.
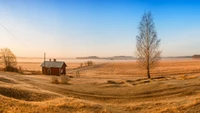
(53, 67)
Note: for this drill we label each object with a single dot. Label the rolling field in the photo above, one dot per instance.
(130, 69)
(114, 87)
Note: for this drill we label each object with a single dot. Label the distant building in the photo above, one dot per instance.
(53, 67)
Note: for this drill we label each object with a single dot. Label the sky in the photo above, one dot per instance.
(77, 28)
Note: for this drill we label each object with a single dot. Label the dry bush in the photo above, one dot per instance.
(90, 63)
(54, 80)
(111, 82)
(20, 70)
(81, 64)
(115, 82)
(11, 69)
(64, 79)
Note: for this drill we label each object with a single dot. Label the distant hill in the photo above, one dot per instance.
(133, 58)
(121, 58)
(108, 58)
(196, 56)
(89, 57)
(177, 57)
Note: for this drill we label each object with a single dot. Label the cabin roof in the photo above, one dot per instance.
(55, 64)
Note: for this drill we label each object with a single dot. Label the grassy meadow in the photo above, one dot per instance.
(106, 87)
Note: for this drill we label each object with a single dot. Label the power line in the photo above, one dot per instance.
(12, 35)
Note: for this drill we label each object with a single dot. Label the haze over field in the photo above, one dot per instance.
(78, 28)
(106, 88)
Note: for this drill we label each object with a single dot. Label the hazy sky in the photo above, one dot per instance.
(70, 28)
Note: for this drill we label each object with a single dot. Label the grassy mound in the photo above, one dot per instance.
(5, 80)
(26, 95)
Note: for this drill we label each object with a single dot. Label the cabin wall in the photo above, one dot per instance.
(64, 69)
(44, 70)
(54, 71)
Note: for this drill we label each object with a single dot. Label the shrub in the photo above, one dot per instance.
(64, 79)
(81, 64)
(71, 76)
(54, 80)
(11, 69)
(20, 70)
(89, 63)
(115, 82)
(111, 82)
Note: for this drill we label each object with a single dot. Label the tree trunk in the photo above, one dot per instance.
(148, 73)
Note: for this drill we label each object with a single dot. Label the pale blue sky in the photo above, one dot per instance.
(71, 28)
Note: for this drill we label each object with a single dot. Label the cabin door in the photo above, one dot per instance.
(49, 71)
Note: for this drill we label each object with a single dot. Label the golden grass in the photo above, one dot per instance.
(165, 68)
(24, 94)
(106, 88)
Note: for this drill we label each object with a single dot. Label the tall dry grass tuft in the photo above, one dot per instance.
(54, 80)
(64, 79)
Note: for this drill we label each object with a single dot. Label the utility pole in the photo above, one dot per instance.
(44, 64)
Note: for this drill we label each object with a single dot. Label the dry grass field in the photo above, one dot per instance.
(130, 69)
(114, 87)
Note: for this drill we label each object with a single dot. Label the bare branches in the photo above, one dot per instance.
(7, 58)
(147, 45)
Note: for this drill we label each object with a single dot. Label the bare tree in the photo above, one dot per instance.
(147, 44)
(8, 59)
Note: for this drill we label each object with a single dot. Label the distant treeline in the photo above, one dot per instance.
(178, 57)
(109, 58)
(89, 57)
(133, 58)
(196, 56)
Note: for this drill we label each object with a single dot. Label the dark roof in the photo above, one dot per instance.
(49, 64)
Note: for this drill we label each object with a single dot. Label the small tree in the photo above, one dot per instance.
(8, 59)
(81, 64)
(147, 44)
(89, 63)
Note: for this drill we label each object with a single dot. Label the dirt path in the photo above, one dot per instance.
(134, 93)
